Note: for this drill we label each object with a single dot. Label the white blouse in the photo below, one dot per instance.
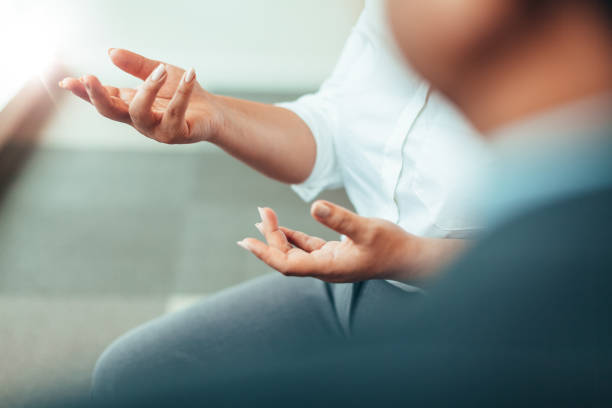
(399, 149)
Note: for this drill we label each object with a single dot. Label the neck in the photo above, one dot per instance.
(565, 59)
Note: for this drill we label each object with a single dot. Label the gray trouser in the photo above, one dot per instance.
(270, 320)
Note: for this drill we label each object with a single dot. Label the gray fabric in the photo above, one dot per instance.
(233, 331)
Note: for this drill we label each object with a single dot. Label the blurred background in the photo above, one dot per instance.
(102, 229)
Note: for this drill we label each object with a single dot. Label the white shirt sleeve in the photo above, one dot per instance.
(320, 115)
(321, 111)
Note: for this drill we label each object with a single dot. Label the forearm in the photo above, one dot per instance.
(273, 140)
(270, 139)
(427, 257)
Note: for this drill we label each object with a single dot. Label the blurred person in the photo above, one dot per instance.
(375, 128)
(524, 318)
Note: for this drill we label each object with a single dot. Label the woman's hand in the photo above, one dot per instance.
(373, 249)
(170, 106)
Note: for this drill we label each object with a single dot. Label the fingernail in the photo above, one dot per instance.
(61, 83)
(261, 213)
(244, 245)
(259, 227)
(158, 73)
(189, 75)
(110, 51)
(322, 210)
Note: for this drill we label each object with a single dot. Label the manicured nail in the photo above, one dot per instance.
(322, 210)
(189, 75)
(244, 245)
(259, 227)
(110, 51)
(261, 213)
(158, 73)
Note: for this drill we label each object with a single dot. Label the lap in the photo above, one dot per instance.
(225, 330)
(270, 320)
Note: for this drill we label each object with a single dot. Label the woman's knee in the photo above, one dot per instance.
(135, 365)
(220, 335)
(116, 367)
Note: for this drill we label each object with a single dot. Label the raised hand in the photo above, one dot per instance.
(373, 248)
(169, 106)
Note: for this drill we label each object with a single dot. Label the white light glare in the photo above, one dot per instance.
(29, 46)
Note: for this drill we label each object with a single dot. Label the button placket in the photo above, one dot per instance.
(394, 162)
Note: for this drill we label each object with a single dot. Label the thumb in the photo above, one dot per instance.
(339, 219)
(132, 63)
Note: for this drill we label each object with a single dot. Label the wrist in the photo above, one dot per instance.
(406, 259)
(218, 120)
(435, 254)
(422, 258)
(415, 257)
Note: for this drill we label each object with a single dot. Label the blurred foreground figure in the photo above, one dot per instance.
(525, 318)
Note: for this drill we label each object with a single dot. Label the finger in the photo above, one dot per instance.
(133, 63)
(174, 118)
(273, 257)
(269, 219)
(339, 219)
(274, 236)
(294, 263)
(141, 106)
(113, 91)
(303, 241)
(107, 105)
(76, 87)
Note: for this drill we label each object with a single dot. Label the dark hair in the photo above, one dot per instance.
(604, 5)
(607, 6)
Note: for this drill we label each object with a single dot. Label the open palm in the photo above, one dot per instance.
(373, 248)
(170, 106)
